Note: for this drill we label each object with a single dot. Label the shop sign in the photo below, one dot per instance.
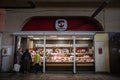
(4, 51)
(100, 50)
(61, 24)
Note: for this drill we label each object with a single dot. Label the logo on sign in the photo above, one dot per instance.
(61, 24)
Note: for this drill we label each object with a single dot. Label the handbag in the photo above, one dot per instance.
(39, 63)
(16, 67)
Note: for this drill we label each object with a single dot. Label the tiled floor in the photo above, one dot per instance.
(58, 76)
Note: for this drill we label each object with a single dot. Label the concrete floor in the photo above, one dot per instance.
(57, 76)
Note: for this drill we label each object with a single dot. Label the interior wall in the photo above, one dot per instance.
(7, 60)
(114, 49)
(15, 19)
(30, 44)
(24, 44)
(112, 20)
(0, 52)
(2, 19)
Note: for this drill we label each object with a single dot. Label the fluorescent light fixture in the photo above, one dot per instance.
(30, 36)
(53, 36)
(61, 38)
(85, 38)
(36, 38)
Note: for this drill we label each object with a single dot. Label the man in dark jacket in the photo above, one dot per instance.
(26, 60)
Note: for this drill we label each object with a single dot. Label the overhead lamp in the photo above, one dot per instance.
(36, 38)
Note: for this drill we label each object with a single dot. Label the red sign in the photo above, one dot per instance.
(61, 24)
(79, 23)
(100, 50)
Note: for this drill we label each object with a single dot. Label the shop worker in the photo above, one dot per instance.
(37, 62)
(26, 60)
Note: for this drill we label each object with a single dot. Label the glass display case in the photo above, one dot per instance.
(59, 52)
(65, 56)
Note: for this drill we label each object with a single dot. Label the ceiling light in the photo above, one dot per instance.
(30, 36)
(61, 38)
(53, 36)
(36, 38)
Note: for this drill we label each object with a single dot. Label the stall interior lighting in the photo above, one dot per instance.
(61, 38)
(84, 38)
(30, 36)
(53, 36)
(36, 38)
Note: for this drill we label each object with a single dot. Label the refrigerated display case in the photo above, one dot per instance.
(68, 58)
(60, 54)
(64, 58)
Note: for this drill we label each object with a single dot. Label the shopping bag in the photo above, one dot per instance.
(16, 67)
(39, 63)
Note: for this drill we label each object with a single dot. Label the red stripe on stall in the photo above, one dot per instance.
(78, 23)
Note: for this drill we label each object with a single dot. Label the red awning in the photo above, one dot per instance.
(78, 23)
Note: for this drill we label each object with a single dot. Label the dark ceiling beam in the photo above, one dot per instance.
(55, 3)
(67, 4)
(68, 0)
(104, 4)
(76, 4)
(16, 4)
(100, 8)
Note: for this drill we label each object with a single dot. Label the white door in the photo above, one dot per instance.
(100, 61)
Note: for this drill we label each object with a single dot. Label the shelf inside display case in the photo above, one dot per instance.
(66, 59)
(64, 56)
(85, 63)
(59, 63)
(69, 63)
(61, 45)
(69, 57)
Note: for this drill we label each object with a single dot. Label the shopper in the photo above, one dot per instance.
(19, 55)
(26, 60)
(37, 62)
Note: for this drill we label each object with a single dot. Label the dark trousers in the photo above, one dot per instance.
(26, 66)
(37, 67)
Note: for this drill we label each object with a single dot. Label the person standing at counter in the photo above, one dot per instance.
(26, 60)
(37, 62)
